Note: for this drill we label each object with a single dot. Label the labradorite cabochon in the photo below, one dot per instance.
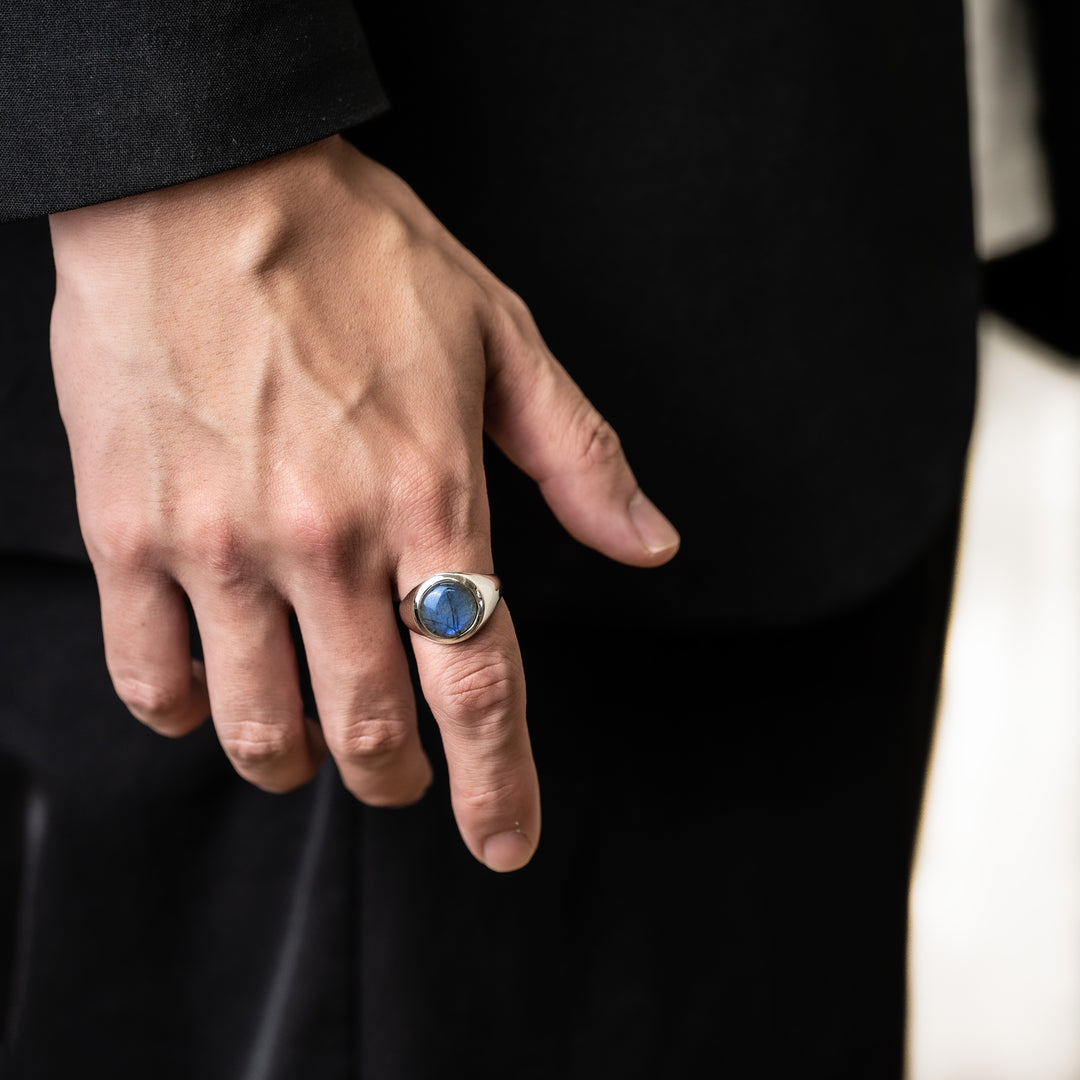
(447, 610)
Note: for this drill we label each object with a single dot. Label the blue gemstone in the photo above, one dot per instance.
(447, 609)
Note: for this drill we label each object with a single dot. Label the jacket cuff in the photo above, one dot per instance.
(101, 99)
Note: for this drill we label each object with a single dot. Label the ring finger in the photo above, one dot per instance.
(252, 677)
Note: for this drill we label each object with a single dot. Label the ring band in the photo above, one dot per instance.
(450, 607)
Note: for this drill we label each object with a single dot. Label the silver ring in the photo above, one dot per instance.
(451, 606)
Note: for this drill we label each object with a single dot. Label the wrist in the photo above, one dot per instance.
(225, 224)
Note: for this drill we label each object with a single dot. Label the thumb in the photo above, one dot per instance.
(538, 416)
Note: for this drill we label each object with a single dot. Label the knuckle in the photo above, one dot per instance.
(441, 500)
(220, 550)
(123, 541)
(315, 535)
(151, 702)
(516, 311)
(492, 800)
(370, 741)
(473, 692)
(599, 441)
(254, 746)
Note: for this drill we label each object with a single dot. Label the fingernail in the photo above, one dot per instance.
(506, 851)
(656, 532)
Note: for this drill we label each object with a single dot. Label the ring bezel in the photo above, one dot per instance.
(485, 592)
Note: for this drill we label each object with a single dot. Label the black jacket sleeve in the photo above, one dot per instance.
(105, 98)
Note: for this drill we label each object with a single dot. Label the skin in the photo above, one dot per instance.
(275, 383)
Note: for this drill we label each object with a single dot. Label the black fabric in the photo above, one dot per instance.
(748, 235)
(162, 902)
(721, 889)
(104, 99)
(37, 494)
(746, 232)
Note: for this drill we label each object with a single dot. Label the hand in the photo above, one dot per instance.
(274, 383)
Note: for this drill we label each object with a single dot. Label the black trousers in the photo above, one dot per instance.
(721, 889)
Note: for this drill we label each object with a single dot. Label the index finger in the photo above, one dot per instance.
(476, 692)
